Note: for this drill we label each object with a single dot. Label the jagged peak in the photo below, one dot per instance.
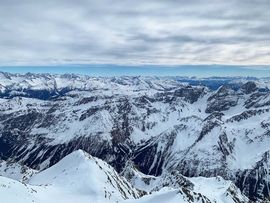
(249, 87)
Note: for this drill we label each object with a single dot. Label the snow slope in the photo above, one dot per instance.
(214, 189)
(80, 173)
(169, 195)
(218, 189)
(78, 177)
(15, 171)
(81, 178)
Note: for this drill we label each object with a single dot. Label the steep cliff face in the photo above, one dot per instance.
(158, 124)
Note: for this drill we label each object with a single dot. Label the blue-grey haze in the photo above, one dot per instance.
(146, 70)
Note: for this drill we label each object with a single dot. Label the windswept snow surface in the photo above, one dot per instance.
(78, 177)
(15, 171)
(82, 178)
(168, 195)
(218, 189)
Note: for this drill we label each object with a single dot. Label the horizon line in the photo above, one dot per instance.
(198, 70)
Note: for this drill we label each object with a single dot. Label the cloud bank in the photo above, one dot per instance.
(135, 32)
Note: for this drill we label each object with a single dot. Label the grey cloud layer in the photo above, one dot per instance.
(159, 32)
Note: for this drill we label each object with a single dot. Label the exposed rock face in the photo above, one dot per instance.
(253, 181)
(249, 87)
(258, 99)
(222, 100)
(159, 124)
(189, 93)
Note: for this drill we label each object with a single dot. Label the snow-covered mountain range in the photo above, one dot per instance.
(177, 138)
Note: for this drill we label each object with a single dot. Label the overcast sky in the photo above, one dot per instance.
(135, 31)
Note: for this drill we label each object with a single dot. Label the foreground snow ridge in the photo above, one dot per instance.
(81, 178)
(78, 177)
